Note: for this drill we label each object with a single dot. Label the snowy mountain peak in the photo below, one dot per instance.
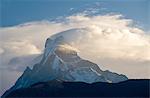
(54, 41)
(60, 61)
(52, 44)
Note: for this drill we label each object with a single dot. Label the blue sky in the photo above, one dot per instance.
(32, 37)
(14, 12)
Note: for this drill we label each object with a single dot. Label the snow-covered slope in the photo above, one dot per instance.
(61, 61)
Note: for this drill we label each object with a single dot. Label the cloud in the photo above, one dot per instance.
(7, 79)
(109, 40)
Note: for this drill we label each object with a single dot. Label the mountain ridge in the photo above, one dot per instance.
(61, 61)
(56, 88)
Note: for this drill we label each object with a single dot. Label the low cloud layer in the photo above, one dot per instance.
(108, 40)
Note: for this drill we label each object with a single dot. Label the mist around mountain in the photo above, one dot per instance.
(60, 61)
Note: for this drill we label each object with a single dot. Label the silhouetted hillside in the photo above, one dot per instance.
(129, 88)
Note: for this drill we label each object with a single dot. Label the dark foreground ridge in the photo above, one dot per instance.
(129, 88)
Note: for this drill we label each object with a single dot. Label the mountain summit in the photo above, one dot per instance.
(61, 61)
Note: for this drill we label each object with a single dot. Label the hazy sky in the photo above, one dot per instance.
(119, 26)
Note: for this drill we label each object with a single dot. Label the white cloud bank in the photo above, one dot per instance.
(109, 40)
